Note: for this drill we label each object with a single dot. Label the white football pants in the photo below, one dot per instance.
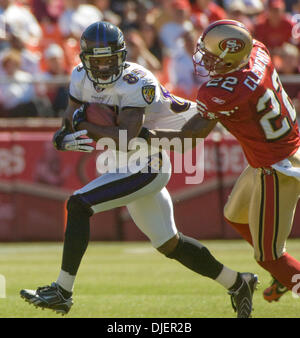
(148, 201)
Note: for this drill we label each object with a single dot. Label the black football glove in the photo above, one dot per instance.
(59, 135)
(65, 139)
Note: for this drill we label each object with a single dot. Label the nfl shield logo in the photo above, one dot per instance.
(98, 88)
(148, 93)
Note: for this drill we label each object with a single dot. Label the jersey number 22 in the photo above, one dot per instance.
(274, 124)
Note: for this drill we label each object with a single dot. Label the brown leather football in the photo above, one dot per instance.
(101, 114)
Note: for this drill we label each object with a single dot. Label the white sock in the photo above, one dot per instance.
(227, 277)
(66, 281)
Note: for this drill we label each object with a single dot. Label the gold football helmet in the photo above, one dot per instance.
(224, 46)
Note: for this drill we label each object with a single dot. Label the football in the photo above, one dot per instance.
(101, 114)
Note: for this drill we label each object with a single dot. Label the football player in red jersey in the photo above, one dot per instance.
(245, 95)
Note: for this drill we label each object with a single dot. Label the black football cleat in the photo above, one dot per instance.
(241, 299)
(48, 297)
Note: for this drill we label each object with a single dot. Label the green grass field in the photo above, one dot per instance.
(132, 280)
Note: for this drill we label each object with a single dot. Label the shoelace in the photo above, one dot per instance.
(45, 288)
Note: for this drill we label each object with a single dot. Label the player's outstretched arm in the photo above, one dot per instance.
(195, 128)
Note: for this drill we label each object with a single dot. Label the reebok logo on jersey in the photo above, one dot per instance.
(148, 93)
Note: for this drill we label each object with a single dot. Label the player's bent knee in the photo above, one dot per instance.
(192, 254)
(227, 211)
(169, 246)
(76, 205)
(234, 215)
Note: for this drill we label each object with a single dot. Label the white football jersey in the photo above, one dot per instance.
(137, 87)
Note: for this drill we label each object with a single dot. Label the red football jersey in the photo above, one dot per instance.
(253, 106)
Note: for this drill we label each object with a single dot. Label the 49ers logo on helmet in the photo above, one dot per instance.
(233, 45)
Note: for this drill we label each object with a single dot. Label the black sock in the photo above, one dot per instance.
(76, 236)
(196, 257)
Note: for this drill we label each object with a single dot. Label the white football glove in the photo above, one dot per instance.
(74, 142)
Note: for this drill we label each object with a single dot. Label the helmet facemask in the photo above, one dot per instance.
(206, 63)
(103, 68)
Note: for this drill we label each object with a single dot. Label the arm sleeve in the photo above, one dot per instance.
(216, 104)
(75, 87)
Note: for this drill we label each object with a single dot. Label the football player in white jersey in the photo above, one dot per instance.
(106, 77)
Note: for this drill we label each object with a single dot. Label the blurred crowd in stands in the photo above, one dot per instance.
(39, 43)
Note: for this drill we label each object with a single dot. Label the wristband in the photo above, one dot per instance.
(145, 134)
(60, 135)
(79, 116)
